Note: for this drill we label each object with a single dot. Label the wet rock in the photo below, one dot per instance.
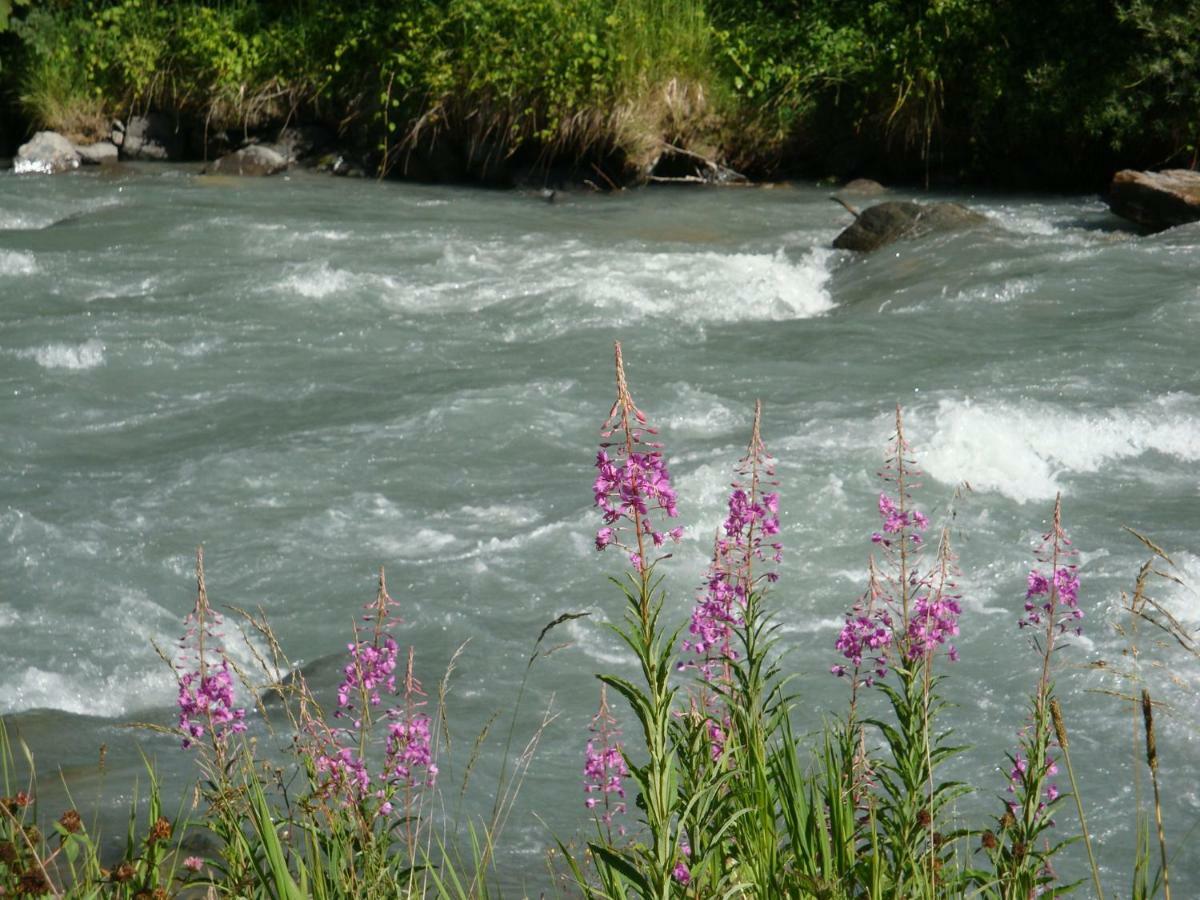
(255, 160)
(862, 187)
(47, 153)
(884, 223)
(153, 136)
(299, 142)
(1156, 200)
(98, 154)
(340, 164)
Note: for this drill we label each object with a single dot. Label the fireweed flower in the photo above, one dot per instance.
(604, 767)
(1044, 594)
(632, 486)
(747, 536)
(206, 701)
(340, 761)
(907, 610)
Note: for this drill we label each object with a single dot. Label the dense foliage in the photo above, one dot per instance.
(1014, 91)
(892, 88)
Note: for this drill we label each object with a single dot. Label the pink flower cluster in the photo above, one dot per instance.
(370, 668)
(1018, 774)
(753, 517)
(1061, 599)
(408, 751)
(207, 701)
(408, 756)
(206, 690)
(630, 490)
(343, 773)
(932, 621)
(895, 522)
(604, 767)
(633, 485)
(865, 634)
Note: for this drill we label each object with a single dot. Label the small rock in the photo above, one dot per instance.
(1156, 200)
(47, 153)
(255, 160)
(100, 153)
(883, 223)
(299, 142)
(862, 187)
(148, 137)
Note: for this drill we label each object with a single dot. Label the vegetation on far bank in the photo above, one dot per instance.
(1015, 92)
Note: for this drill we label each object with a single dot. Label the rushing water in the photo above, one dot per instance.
(315, 377)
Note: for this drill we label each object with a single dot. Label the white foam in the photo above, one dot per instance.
(1005, 292)
(696, 412)
(86, 692)
(17, 262)
(320, 281)
(87, 355)
(711, 286)
(1023, 450)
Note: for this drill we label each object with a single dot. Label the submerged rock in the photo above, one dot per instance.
(884, 223)
(47, 153)
(1156, 200)
(255, 160)
(148, 137)
(100, 153)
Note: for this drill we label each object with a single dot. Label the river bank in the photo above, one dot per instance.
(528, 91)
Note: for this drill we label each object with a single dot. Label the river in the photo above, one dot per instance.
(315, 377)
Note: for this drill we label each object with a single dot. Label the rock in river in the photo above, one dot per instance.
(152, 136)
(253, 160)
(98, 154)
(47, 153)
(1156, 200)
(883, 223)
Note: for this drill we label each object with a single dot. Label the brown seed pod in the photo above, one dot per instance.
(71, 822)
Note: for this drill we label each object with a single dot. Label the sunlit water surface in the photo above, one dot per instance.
(316, 377)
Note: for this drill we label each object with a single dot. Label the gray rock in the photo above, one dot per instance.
(1156, 200)
(255, 160)
(148, 137)
(862, 187)
(47, 153)
(884, 223)
(300, 142)
(101, 153)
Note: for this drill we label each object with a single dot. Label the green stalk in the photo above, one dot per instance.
(1060, 731)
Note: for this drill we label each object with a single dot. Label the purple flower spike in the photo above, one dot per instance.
(753, 514)
(909, 609)
(371, 675)
(604, 767)
(1052, 600)
(206, 689)
(632, 485)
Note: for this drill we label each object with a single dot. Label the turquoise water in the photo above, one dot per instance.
(315, 377)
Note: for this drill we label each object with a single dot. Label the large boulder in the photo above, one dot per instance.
(154, 136)
(1156, 200)
(883, 223)
(253, 160)
(98, 154)
(47, 153)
